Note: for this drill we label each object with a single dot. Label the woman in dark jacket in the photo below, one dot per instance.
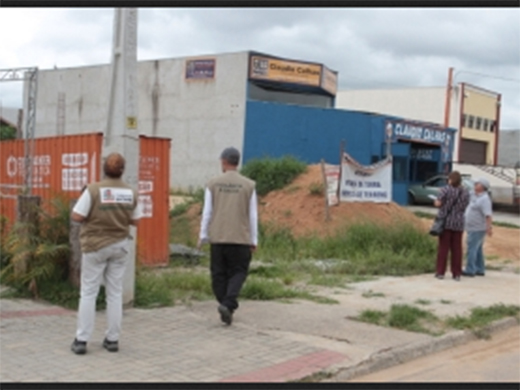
(452, 200)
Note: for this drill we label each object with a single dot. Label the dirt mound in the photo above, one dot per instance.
(296, 208)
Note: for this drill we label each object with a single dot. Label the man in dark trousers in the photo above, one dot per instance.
(106, 210)
(230, 225)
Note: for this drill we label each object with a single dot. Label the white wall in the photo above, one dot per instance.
(200, 117)
(425, 104)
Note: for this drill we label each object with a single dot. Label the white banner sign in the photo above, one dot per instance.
(366, 183)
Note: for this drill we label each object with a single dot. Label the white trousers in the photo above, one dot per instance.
(108, 265)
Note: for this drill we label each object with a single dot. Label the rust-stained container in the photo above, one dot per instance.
(154, 190)
(63, 165)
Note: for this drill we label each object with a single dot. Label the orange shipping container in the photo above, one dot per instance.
(63, 165)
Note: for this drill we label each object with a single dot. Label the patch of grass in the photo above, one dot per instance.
(362, 249)
(423, 302)
(273, 173)
(372, 294)
(321, 279)
(375, 317)
(422, 214)
(409, 318)
(482, 316)
(267, 271)
(180, 209)
(506, 225)
(167, 289)
(181, 232)
(403, 317)
(494, 267)
(316, 189)
(492, 257)
(446, 302)
(268, 290)
(287, 213)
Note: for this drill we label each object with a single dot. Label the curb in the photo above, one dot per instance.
(410, 352)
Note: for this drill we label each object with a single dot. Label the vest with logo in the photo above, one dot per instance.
(112, 205)
(231, 196)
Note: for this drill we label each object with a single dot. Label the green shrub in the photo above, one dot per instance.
(43, 255)
(273, 173)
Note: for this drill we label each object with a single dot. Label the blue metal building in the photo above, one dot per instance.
(419, 150)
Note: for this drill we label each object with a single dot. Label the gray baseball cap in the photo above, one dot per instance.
(231, 155)
(484, 182)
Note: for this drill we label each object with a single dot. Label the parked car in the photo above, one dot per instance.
(420, 193)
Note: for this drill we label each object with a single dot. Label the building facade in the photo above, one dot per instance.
(261, 104)
(474, 111)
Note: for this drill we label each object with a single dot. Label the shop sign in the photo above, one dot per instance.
(417, 132)
(265, 68)
(200, 69)
(329, 81)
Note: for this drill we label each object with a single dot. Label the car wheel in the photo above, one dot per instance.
(411, 199)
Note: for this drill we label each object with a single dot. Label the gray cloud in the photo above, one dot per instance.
(371, 48)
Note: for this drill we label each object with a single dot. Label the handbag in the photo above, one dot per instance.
(438, 224)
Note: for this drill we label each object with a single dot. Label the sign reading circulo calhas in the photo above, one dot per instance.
(265, 68)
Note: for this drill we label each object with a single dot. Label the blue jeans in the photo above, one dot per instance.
(475, 254)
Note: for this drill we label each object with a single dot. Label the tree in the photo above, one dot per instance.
(7, 132)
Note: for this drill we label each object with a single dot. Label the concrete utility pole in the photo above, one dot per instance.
(121, 133)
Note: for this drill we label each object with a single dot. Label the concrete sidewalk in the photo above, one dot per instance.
(268, 342)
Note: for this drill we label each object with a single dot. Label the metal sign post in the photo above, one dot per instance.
(121, 133)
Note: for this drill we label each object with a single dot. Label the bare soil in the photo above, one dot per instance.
(296, 208)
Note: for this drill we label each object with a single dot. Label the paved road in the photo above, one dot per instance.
(495, 360)
(499, 216)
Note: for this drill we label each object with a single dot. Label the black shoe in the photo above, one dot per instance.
(79, 347)
(480, 274)
(225, 315)
(464, 273)
(111, 346)
(438, 276)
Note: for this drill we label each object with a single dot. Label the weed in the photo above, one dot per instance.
(375, 317)
(371, 294)
(506, 225)
(423, 302)
(314, 378)
(292, 189)
(446, 301)
(316, 189)
(492, 257)
(287, 213)
(181, 232)
(180, 209)
(409, 318)
(321, 279)
(494, 267)
(482, 316)
(422, 214)
(273, 173)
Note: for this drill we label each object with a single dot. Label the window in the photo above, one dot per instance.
(486, 125)
(463, 120)
(479, 123)
(493, 126)
(438, 182)
(470, 121)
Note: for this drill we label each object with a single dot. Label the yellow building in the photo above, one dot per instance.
(478, 132)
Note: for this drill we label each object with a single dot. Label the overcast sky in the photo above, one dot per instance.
(371, 48)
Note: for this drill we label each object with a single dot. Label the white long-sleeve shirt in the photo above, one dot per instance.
(208, 210)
